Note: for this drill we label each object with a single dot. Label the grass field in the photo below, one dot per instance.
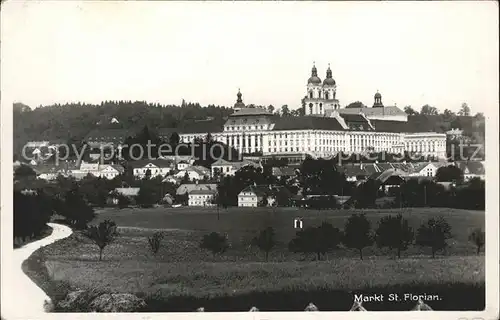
(242, 224)
(182, 276)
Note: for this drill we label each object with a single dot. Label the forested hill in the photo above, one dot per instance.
(76, 120)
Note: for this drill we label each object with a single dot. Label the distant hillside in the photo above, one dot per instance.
(76, 120)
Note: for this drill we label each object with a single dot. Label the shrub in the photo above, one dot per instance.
(215, 243)
(102, 235)
(155, 242)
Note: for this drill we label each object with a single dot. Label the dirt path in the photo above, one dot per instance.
(25, 299)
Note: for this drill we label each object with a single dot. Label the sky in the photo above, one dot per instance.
(414, 53)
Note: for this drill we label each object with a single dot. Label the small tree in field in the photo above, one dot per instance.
(395, 233)
(102, 235)
(434, 234)
(265, 241)
(478, 238)
(214, 242)
(357, 233)
(155, 242)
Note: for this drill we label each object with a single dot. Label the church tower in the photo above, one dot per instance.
(378, 101)
(330, 92)
(239, 102)
(314, 94)
(320, 97)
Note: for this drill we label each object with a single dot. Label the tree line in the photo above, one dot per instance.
(392, 232)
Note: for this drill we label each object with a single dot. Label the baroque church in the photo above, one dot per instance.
(325, 129)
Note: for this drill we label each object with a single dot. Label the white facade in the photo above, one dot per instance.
(201, 198)
(254, 130)
(155, 170)
(108, 172)
(426, 170)
(426, 143)
(325, 142)
(226, 168)
(182, 165)
(320, 96)
(194, 173)
(248, 199)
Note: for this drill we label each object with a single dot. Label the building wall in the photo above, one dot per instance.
(430, 143)
(403, 118)
(155, 171)
(328, 142)
(200, 200)
(248, 199)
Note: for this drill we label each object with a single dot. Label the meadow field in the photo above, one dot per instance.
(183, 277)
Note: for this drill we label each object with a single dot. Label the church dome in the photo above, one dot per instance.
(378, 95)
(329, 81)
(314, 79)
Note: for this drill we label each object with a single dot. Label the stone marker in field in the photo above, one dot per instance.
(298, 223)
(311, 307)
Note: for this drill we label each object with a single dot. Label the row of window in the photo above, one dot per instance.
(326, 94)
(237, 128)
(201, 196)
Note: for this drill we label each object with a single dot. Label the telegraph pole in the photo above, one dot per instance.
(425, 196)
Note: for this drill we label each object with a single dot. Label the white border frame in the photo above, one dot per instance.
(491, 248)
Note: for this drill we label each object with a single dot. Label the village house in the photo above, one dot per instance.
(201, 198)
(157, 167)
(188, 187)
(129, 193)
(110, 171)
(50, 172)
(472, 169)
(92, 168)
(172, 179)
(388, 179)
(224, 167)
(251, 196)
(261, 195)
(285, 172)
(194, 173)
(427, 169)
(182, 165)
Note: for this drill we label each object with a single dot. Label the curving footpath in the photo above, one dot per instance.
(25, 299)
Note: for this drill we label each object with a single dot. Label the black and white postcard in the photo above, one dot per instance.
(206, 159)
